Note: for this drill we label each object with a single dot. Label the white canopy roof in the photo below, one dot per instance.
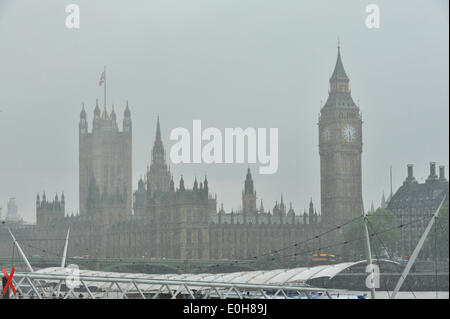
(270, 277)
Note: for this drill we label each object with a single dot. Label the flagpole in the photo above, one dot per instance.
(104, 72)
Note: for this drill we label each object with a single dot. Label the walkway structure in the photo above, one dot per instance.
(58, 282)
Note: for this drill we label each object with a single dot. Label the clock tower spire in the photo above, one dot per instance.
(340, 148)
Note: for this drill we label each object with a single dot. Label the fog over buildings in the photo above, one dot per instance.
(229, 64)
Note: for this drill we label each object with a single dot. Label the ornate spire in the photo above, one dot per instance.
(291, 210)
(83, 112)
(181, 183)
(172, 185)
(339, 94)
(339, 73)
(96, 109)
(195, 184)
(158, 152)
(127, 112)
(248, 187)
(113, 114)
(159, 174)
(105, 115)
(158, 132)
(205, 184)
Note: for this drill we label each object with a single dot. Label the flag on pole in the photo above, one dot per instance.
(102, 79)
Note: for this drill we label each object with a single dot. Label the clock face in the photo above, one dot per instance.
(349, 133)
(326, 134)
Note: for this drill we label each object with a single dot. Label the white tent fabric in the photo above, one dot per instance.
(270, 277)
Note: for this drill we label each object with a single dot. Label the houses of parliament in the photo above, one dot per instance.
(168, 217)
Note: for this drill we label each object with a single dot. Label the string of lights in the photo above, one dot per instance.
(274, 254)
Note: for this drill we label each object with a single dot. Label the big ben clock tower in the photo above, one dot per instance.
(340, 148)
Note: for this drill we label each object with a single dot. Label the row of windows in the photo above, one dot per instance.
(190, 217)
(189, 237)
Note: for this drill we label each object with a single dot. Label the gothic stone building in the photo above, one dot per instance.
(182, 222)
(162, 219)
(166, 220)
(413, 204)
(340, 148)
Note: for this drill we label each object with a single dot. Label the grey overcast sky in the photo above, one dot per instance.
(230, 63)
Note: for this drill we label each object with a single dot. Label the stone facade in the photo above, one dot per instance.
(168, 221)
(182, 222)
(105, 166)
(414, 204)
(340, 148)
(163, 220)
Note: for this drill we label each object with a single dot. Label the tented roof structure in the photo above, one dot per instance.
(278, 283)
(294, 276)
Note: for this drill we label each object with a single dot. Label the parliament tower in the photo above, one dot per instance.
(105, 176)
(158, 175)
(340, 148)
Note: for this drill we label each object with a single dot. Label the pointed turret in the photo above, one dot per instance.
(158, 132)
(38, 200)
(96, 120)
(113, 114)
(339, 73)
(172, 185)
(339, 93)
(261, 207)
(105, 115)
(205, 185)
(276, 207)
(311, 206)
(220, 214)
(291, 211)
(159, 174)
(249, 196)
(248, 187)
(311, 212)
(282, 206)
(195, 188)
(127, 120)
(181, 183)
(158, 152)
(83, 112)
(127, 112)
(96, 110)
(83, 126)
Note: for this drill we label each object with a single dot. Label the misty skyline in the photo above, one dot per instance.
(229, 64)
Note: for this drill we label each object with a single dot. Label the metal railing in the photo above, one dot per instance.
(43, 286)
